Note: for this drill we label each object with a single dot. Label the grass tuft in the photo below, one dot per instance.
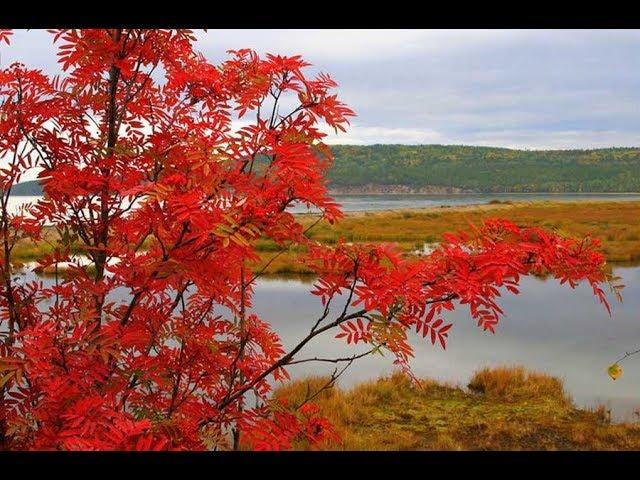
(508, 408)
(614, 223)
(516, 383)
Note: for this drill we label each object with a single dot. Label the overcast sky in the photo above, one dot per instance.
(511, 88)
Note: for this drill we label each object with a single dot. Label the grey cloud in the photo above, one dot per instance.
(531, 89)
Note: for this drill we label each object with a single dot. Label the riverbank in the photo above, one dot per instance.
(436, 190)
(615, 224)
(501, 409)
(396, 189)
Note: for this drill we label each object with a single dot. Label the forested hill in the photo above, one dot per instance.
(449, 168)
(27, 188)
(484, 169)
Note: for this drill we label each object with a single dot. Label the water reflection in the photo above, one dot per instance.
(548, 327)
(371, 203)
(355, 203)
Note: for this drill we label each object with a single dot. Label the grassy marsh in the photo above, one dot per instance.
(616, 224)
(506, 408)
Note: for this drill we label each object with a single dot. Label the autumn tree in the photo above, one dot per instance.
(164, 170)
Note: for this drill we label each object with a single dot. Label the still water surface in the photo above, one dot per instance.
(371, 203)
(548, 327)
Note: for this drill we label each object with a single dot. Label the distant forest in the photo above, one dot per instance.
(477, 169)
(27, 188)
(487, 169)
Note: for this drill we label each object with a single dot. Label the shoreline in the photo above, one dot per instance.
(466, 194)
(435, 194)
(613, 222)
(502, 407)
(472, 207)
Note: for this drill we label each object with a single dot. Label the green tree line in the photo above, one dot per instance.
(488, 169)
(479, 169)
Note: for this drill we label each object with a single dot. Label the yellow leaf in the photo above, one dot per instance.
(239, 239)
(6, 378)
(614, 371)
(105, 356)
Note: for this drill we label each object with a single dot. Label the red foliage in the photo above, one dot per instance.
(144, 166)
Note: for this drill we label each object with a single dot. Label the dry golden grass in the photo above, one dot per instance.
(616, 224)
(508, 408)
(516, 383)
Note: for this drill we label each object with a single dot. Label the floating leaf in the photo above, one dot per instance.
(614, 371)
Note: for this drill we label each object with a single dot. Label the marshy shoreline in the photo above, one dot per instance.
(502, 408)
(616, 224)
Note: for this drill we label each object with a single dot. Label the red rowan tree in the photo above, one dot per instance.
(144, 171)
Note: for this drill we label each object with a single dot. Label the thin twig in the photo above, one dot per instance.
(627, 355)
(333, 360)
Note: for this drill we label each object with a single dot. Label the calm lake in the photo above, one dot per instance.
(548, 327)
(356, 203)
(370, 203)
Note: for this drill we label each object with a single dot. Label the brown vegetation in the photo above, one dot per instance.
(505, 408)
(615, 224)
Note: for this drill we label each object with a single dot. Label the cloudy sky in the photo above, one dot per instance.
(512, 88)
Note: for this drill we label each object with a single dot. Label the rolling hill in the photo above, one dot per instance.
(455, 168)
(438, 168)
